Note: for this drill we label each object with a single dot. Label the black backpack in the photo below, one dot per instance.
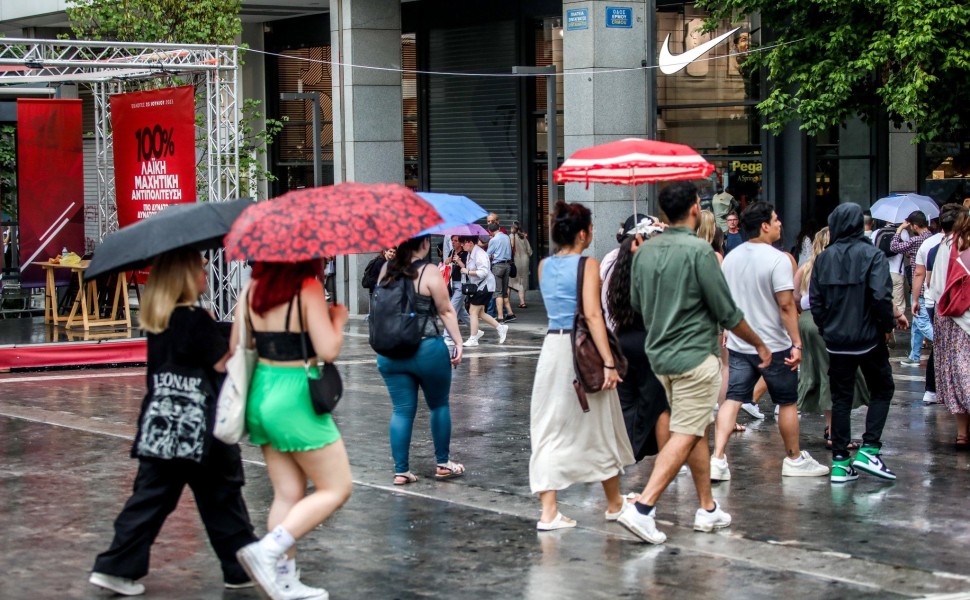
(396, 329)
(884, 239)
(371, 272)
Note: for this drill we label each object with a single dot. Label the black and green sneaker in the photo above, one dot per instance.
(842, 471)
(869, 460)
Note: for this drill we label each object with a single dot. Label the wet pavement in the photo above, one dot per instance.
(65, 473)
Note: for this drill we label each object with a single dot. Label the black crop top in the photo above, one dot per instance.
(284, 345)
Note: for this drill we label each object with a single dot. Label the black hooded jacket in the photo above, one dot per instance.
(851, 291)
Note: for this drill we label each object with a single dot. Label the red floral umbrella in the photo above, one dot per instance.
(633, 161)
(348, 218)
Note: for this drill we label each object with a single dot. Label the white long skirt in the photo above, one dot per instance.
(568, 445)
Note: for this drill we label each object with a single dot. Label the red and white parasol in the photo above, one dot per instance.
(633, 161)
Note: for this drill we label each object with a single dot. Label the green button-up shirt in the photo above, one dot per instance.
(678, 288)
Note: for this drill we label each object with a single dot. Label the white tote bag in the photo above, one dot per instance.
(231, 407)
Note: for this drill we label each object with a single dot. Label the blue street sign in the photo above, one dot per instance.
(577, 18)
(619, 17)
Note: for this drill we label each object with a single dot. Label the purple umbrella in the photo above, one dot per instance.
(472, 230)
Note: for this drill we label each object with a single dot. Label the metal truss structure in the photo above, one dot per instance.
(109, 68)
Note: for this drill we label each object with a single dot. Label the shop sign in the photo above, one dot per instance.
(746, 171)
(577, 18)
(619, 17)
(154, 151)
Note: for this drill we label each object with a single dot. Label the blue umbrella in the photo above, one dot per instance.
(895, 208)
(455, 210)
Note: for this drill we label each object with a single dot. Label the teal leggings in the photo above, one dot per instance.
(430, 369)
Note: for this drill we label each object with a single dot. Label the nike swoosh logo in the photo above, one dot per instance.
(670, 64)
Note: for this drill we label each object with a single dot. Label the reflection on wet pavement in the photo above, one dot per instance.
(64, 473)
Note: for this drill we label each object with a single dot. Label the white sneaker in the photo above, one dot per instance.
(472, 341)
(929, 398)
(260, 565)
(294, 589)
(503, 330)
(612, 516)
(804, 466)
(720, 470)
(683, 470)
(640, 525)
(753, 410)
(449, 342)
(118, 585)
(709, 521)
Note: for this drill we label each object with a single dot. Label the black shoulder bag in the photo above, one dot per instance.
(326, 387)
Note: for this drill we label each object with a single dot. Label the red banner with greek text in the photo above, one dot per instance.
(154, 151)
(50, 178)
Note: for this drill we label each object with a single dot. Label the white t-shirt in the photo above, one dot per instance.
(755, 273)
(921, 254)
(896, 261)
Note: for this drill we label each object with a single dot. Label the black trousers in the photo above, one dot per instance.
(931, 363)
(642, 396)
(879, 378)
(217, 485)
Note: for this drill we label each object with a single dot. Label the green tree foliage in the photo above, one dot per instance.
(177, 21)
(845, 58)
(8, 170)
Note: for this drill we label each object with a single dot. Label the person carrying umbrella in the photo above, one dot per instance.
(179, 332)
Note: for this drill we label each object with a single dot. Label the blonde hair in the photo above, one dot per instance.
(173, 281)
(705, 230)
(818, 244)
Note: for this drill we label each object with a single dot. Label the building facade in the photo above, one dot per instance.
(443, 112)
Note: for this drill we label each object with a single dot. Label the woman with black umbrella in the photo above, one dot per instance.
(179, 332)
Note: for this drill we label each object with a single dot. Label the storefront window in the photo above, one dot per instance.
(709, 104)
(945, 171)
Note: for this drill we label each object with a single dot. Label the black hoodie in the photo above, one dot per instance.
(851, 291)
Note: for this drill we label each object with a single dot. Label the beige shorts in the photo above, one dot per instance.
(692, 396)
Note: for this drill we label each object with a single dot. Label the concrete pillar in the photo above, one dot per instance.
(254, 87)
(604, 107)
(367, 111)
(902, 160)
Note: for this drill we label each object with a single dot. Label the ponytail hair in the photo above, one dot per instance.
(568, 220)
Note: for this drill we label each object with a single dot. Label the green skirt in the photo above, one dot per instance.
(279, 411)
(814, 393)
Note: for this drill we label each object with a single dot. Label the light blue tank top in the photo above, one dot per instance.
(558, 288)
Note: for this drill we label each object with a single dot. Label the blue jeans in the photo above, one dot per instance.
(491, 310)
(430, 369)
(922, 327)
(458, 303)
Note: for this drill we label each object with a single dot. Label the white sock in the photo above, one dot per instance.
(278, 541)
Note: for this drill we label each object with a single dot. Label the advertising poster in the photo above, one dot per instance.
(50, 175)
(154, 151)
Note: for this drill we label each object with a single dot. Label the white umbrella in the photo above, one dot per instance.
(895, 209)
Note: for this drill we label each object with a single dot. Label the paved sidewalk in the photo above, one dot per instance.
(64, 474)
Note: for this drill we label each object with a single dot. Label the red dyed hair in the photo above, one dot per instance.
(277, 283)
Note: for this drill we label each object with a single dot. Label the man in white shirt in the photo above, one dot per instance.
(922, 326)
(761, 281)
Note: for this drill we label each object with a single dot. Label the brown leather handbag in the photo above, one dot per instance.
(586, 358)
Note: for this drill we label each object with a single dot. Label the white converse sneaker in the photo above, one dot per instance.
(472, 341)
(294, 589)
(479, 335)
(118, 585)
(503, 330)
(803, 466)
(720, 470)
(709, 521)
(640, 525)
(753, 410)
(929, 398)
(612, 516)
(260, 565)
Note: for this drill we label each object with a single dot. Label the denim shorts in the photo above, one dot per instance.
(744, 373)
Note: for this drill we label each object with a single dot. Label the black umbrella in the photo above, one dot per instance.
(200, 225)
